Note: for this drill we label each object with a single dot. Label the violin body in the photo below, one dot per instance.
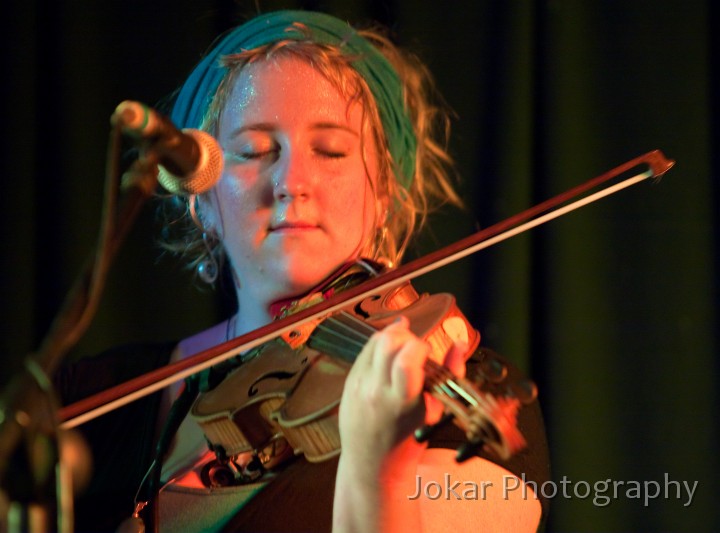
(237, 414)
(291, 387)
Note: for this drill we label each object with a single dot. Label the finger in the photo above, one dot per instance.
(455, 358)
(365, 357)
(407, 372)
(455, 362)
(389, 342)
(434, 409)
(378, 343)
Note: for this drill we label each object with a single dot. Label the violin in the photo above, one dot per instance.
(292, 386)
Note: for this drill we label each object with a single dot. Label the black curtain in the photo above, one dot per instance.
(612, 309)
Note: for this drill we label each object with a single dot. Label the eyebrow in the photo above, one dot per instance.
(334, 126)
(267, 126)
(261, 126)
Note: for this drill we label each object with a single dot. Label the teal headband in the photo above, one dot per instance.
(196, 94)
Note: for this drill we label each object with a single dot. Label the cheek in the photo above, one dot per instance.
(236, 209)
(354, 208)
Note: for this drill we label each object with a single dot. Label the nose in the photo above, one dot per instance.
(291, 178)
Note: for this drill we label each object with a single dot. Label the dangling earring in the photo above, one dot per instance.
(207, 268)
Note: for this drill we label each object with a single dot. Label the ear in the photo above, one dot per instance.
(208, 213)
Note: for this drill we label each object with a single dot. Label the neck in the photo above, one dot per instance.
(250, 316)
(256, 309)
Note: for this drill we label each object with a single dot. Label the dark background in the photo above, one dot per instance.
(611, 309)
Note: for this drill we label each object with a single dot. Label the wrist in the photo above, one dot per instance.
(375, 495)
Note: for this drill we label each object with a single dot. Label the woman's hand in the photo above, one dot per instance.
(382, 403)
(381, 406)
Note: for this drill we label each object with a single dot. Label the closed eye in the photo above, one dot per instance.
(259, 154)
(240, 157)
(331, 154)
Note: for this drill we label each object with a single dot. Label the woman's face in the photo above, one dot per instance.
(295, 200)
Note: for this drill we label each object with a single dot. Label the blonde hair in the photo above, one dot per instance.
(407, 208)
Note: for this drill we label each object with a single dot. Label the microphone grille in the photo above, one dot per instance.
(207, 173)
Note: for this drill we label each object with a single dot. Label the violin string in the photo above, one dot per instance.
(461, 392)
(356, 324)
(347, 328)
(433, 369)
(446, 382)
(336, 339)
(333, 327)
(352, 327)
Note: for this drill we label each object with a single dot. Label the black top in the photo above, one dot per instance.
(298, 499)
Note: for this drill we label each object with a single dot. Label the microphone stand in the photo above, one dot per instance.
(32, 474)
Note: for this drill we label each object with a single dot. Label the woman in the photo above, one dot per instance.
(330, 165)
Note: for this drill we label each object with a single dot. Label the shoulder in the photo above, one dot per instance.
(499, 376)
(202, 341)
(83, 377)
(495, 374)
(89, 375)
(476, 495)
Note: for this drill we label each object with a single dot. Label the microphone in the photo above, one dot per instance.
(190, 161)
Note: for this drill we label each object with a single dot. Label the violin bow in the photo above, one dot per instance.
(94, 406)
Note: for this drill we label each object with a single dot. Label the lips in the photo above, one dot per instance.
(293, 226)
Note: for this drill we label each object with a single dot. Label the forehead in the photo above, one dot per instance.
(286, 86)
